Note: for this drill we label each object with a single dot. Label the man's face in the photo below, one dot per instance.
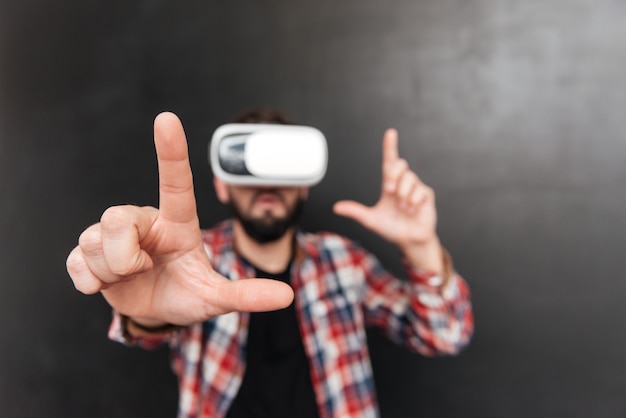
(266, 213)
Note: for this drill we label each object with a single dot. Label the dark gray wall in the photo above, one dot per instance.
(512, 110)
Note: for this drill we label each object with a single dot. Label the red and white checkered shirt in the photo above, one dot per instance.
(340, 288)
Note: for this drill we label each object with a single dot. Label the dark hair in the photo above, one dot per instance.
(262, 115)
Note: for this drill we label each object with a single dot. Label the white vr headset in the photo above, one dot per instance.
(253, 154)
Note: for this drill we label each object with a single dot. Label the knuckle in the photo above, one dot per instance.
(417, 196)
(128, 266)
(81, 276)
(74, 263)
(241, 298)
(150, 210)
(116, 217)
(90, 239)
(398, 166)
(418, 193)
(403, 191)
(123, 267)
(88, 287)
(176, 187)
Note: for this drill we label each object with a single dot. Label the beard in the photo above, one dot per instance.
(268, 228)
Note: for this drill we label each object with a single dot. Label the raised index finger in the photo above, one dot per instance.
(390, 159)
(177, 202)
(390, 146)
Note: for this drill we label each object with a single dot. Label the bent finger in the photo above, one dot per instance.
(83, 278)
(407, 183)
(90, 243)
(392, 173)
(421, 195)
(123, 228)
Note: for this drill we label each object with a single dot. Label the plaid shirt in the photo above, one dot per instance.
(339, 289)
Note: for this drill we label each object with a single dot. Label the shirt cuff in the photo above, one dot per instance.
(118, 332)
(429, 278)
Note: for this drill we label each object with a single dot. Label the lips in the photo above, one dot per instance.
(268, 198)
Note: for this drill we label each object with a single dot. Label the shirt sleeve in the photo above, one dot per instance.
(427, 312)
(119, 333)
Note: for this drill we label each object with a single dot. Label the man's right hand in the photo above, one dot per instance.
(150, 264)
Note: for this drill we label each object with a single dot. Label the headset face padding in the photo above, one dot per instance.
(252, 154)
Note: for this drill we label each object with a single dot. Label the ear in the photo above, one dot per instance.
(221, 190)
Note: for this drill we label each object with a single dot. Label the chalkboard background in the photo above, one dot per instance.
(511, 110)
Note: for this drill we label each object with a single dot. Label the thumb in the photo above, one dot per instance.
(354, 210)
(253, 295)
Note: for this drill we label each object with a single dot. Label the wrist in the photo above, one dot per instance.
(428, 255)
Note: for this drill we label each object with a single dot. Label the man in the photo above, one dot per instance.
(166, 281)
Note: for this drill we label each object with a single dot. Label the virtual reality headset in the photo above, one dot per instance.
(253, 154)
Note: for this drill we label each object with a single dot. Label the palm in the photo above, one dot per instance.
(405, 213)
(176, 287)
(400, 226)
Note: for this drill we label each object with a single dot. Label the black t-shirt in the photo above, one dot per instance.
(277, 382)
